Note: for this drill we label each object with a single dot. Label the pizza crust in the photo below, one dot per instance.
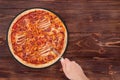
(24, 62)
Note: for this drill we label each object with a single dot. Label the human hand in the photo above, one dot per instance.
(72, 70)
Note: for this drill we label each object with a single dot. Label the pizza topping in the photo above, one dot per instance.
(20, 38)
(26, 22)
(43, 24)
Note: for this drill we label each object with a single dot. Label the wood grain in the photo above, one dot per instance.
(89, 22)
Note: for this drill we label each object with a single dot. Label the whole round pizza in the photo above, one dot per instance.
(37, 38)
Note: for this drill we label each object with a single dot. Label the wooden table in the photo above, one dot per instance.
(89, 23)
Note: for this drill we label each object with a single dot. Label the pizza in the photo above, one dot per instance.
(37, 38)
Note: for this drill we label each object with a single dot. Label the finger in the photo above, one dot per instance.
(68, 65)
(73, 62)
(63, 62)
(67, 60)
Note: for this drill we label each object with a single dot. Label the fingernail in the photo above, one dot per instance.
(62, 59)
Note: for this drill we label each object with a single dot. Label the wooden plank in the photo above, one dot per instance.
(91, 68)
(84, 54)
(85, 43)
(80, 44)
(76, 21)
(97, 5)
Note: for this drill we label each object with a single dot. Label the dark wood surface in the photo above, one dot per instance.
(88, 21)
